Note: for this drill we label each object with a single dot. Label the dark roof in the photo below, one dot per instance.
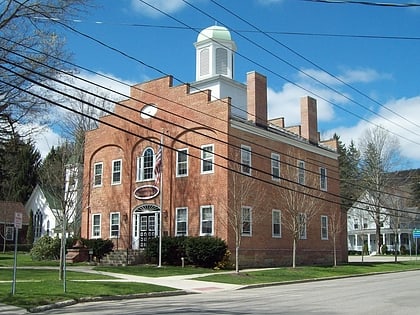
(8, 209)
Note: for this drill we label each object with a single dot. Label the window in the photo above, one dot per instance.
(181, 225)
(246, 220)
(323, 178)
(207, 159)
(182, 162)
(301, 172)
(276, 223)
(324, 227)
(206, 220)
(97, 174)
(246, 159)
(275, 166)
(96, 225)
(116, 172)
(38, 224)
(145, 165)
(221, 61)
(114, 225)
(9, 233)
(204, 62)
(302, 226)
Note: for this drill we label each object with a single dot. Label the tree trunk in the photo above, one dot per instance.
(378, 238)
(294, 254)
(237, 259)
(335, 252)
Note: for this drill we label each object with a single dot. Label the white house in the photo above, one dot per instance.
(361, 228)
(43, 208)
(47, 210)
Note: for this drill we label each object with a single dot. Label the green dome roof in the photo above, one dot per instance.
(214, 32)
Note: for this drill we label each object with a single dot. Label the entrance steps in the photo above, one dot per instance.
(123, 257)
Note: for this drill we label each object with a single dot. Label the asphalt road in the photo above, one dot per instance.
(396, 293)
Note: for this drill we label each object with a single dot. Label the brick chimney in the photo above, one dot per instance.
(309, 119)
(257, 98)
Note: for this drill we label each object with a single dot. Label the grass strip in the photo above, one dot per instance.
(287, 274)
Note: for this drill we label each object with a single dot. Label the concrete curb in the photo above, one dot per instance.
(61, 304)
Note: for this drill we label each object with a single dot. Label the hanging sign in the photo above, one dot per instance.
(146, 192)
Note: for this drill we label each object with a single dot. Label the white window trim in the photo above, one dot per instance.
(100, 224)
(325, 179)
(176, 221)
(326, 227)
(140, 166)
(101, 174)
(177, 162)
(110, 225)
(275, 158)
(250, 221)
(272, 223)
(245, 148)
(301, 171)
(113, 171)
(212, 220)
(202, 159)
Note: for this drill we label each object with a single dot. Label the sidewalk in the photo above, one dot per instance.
(184, 282)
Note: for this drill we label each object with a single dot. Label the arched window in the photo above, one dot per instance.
(221, 61)
(37, 224)
(145, 165)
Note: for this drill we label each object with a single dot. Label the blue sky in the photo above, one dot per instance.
(303, 44)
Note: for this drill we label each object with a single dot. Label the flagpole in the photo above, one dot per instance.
(160, 202)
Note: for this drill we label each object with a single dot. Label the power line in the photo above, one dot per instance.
(368, 3)
(327, 72)
(46, 86)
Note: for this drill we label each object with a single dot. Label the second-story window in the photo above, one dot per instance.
(246, 159)
(97, 174)
(145, 165)
(275, 166)
(116, 172)
(207, 158)
(323, 178)
(182, 162)
(301, 172)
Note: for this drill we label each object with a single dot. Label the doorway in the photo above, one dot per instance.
(145, 225)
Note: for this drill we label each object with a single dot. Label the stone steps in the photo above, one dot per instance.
(122, 257)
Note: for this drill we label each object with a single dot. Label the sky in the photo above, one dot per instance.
(361, 62)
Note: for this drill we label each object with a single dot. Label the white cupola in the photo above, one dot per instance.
(214, 53)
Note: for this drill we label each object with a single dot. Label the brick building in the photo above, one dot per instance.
(214, 133)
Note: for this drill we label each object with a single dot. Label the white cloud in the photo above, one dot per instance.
(109, 86)
(286, 102)
(148, 6)
(405, 126)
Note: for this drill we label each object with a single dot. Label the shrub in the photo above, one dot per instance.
(46, 248)
(205, 251)
(384, 249)
(99, 247)
(173, 248)
(199, 251)
(403, 250)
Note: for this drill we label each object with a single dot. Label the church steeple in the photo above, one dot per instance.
(214, 53)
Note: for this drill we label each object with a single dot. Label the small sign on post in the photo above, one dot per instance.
(18, 220)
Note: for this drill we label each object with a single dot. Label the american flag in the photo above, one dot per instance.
(158, 166)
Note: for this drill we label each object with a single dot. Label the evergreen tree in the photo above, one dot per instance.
(349, 159)
(19, 167)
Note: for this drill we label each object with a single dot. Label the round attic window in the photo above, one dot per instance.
(148, 111)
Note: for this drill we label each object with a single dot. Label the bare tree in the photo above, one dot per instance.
(244, 204)
(380, 156)
(335, 228)
(302, 202)
(396, 202)
(30, 49)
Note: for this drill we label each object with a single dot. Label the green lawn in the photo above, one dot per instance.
(154, 271)
(285, 274)
(40, 286)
